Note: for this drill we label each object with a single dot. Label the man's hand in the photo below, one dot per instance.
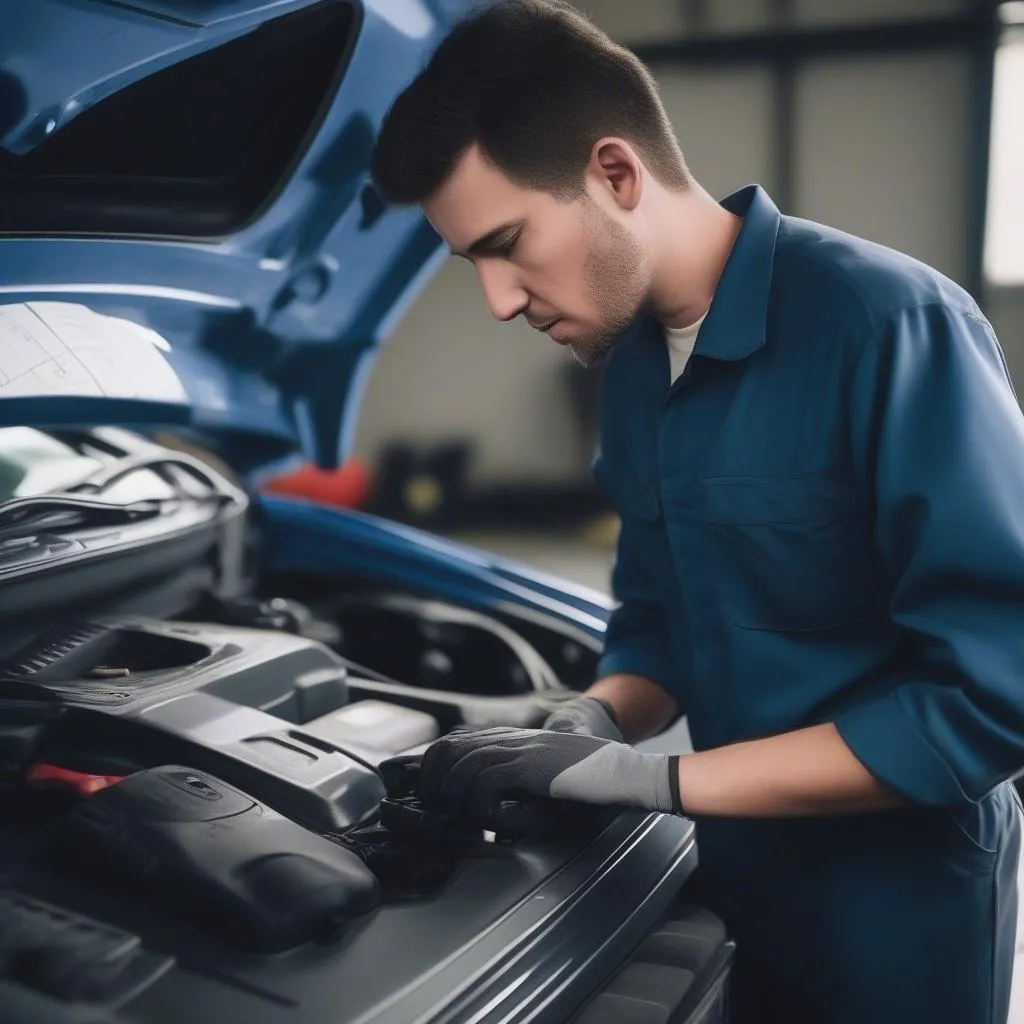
(585, 716)
(642, 708)
(470, 773)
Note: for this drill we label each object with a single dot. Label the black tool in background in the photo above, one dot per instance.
(411, 850)
(210, 853)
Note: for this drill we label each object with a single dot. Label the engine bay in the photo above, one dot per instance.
(243, 789)
(285, 715)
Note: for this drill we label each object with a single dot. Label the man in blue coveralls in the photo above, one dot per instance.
(818, 461)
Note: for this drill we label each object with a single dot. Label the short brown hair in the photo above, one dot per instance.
(535, 85)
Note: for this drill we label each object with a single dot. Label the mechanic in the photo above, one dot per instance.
(818, 461)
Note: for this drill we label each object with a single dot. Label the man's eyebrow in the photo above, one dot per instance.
(487, 242)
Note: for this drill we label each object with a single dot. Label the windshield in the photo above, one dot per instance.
(34, 463)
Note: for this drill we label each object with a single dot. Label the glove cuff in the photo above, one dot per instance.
(609, 710)
(673, 784)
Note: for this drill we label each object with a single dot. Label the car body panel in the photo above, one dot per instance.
(271, 330)
(306, 537)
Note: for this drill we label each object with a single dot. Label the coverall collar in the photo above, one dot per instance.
(735, 324)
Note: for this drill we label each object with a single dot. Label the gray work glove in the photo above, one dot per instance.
(585, 716)
(470, 773)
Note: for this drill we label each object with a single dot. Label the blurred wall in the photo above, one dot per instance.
(883, 150)
(1005, 309)
(882, 146)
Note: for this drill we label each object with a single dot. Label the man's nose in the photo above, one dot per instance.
(505, 297)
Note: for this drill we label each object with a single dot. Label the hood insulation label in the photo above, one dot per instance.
(65, 348)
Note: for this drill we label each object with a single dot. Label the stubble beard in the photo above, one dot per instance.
(615, 276)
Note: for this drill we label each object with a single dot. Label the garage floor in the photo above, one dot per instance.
(584, 558)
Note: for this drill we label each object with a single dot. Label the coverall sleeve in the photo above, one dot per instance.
(938, 443)
(636, 641)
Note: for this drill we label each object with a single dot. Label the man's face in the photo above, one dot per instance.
(569, 267)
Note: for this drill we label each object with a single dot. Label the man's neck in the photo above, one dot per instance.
(693, 249)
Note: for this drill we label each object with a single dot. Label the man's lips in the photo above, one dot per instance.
(546, 325)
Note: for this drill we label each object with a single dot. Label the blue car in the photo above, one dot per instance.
(212, 701)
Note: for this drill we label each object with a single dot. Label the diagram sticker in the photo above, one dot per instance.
(65, 348)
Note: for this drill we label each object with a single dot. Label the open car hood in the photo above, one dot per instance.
(189, 236)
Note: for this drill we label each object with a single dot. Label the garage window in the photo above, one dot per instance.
(1004, 232)
(194, 150)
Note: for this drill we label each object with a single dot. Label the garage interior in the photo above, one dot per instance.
(297, 663)
(901, 121)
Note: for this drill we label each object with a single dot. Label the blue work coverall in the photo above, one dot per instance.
(823, 521)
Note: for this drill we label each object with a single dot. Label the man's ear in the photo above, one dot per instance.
(616, 169)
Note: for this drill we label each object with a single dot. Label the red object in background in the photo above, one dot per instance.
(52, 776)
(348, 486)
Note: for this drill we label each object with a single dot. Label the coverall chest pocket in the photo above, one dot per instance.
(791, 552)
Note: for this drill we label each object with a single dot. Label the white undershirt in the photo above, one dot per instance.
(680, 341)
